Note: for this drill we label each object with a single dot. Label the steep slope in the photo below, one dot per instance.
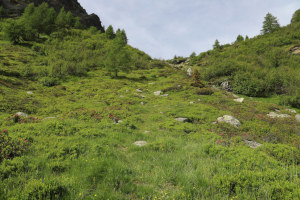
(15, 8)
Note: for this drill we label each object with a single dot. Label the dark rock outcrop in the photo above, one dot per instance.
(15, 8)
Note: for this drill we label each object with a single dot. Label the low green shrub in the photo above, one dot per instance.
(204, 91)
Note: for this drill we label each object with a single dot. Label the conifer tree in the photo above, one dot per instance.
(239, 38)
(216, 45)
(110, 34)
(122, 34)
(270, 24)
(118, 57)
(296, 17)
(61, 21)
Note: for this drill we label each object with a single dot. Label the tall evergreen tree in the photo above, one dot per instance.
(239, 38)
(270, 24)
(216, 45)
(122, 34)
(296, 17)
(61, 21)
(110, 33)
(118, 57)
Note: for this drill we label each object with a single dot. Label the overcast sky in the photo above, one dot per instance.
(164, 28)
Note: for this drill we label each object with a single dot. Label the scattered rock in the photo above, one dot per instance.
(142, 103)
(49, 118)
(139, 90)
(120, 121)
(147, 132)
(239, 100)
(298, 118)
(276, 110)
(252, 144)
(140, 143)
(235, 96)
(151, 83)
(121, 96)
(292, 111)
(230, 120)
(30, 92)
(157, 93)
(275, 115)
(143, 96)
(199, 99)
(181, 119)
(192, 102)
(189, 72)
(225, 86)
(21, 114)
(164, 95)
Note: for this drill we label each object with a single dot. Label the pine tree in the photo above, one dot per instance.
(216, 45)
(118, 57)
(296, 17)
(70, 19)
(110, 34)
(239, 38)
(61, 21)
(270, 24)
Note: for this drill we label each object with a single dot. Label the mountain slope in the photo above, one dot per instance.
(16, 8)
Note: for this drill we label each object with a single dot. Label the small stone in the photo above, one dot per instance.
(140, 143)
(235, 96)
(139, 90)
(292, 111)
(151, 83)
(120, 121)
(164, 95)
(276, 110)
(121, 96)
(157, 93)
(297, 118)
(252, 144)
(30, 92)
(181, 119)
(49, 118)
(192, 102)
(239, 100)
(142, 103)
(229, 120)
(21, 114)
(147, 132)
(275, 115)
(143, 96)
(226, 86)
(199, 99)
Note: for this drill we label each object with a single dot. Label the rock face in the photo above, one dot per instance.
(275, 115)
(15, 9)
(230, 120)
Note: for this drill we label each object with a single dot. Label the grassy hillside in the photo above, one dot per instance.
(262, 66)
(79, 138)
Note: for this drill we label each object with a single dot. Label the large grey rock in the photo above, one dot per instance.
(252, 144)
(229, 120)
(21, 114)
(226, 86)
(298, 118)
(189, 72)
(157, 93)
(140, 143)
(181, 119)
(275, 115)
(139, 90)
(239, 100)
